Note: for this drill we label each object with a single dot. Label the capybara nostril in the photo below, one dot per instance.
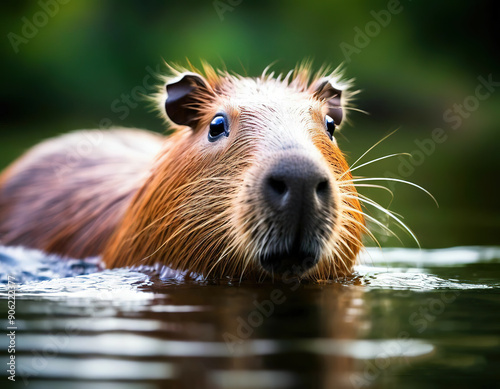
(296, 184)
(323, 190)
(277, 185)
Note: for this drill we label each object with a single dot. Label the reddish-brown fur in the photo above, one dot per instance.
(139, 198)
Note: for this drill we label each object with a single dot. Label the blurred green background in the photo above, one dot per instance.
(70, 66)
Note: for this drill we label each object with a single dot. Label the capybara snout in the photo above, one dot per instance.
(298, 201)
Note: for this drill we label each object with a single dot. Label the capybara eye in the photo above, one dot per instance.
(218, 127)
(330, 126)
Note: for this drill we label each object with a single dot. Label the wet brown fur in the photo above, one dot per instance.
(179, 206)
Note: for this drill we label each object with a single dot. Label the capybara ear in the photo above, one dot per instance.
(326, 89)
(184, 97)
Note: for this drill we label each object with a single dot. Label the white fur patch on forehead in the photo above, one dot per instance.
(247, 91)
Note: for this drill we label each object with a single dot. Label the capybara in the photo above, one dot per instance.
(249, 183)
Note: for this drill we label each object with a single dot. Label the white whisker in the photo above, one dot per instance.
(382, 225)
(390, 214)
(373, 186)
(373, 161)
(371, 148)
(396, 180)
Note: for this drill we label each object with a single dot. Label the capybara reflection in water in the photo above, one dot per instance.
(250, 182)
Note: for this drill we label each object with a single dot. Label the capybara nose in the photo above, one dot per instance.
(296, 188)
(298, 201)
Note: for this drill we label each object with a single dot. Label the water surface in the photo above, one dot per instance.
(408, 318)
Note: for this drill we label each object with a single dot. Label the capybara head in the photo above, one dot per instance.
(250, 183)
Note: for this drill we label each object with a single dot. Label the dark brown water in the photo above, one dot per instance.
(409, 319)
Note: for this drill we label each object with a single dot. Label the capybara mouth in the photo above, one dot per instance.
(296, 262)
